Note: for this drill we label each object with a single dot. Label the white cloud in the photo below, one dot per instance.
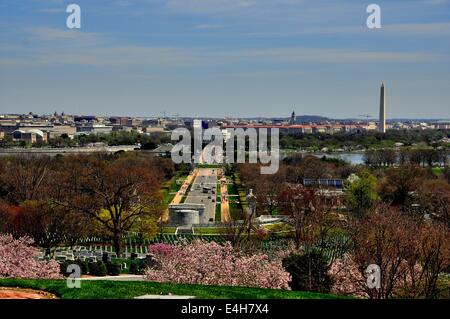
(51, 10)
(116, 56)
(418, 29)
(207, 26)
(51, 46)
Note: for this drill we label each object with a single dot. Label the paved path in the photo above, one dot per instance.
(21, 293)
(224, 204)
(181, 192)
(115, 278)
(183, 189)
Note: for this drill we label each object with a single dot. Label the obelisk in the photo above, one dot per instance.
(382, 124)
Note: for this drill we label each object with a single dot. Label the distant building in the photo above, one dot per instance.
(123, 121)
(382, 120)
(29, 136)
(200, 124)
(163, 150)
(293, 119)
(335, 183)
(91, 128)
(85, 119)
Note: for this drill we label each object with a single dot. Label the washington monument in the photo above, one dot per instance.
(382, 124)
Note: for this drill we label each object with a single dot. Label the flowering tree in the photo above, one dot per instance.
(347, 277)
(411, 255)
(18, 260)
(214, 264)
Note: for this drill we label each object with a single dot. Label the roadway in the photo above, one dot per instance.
(206, 177)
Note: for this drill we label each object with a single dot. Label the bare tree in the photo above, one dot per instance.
(114, 192)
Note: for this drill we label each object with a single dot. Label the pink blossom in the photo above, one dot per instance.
(214, 264)
(18, 260)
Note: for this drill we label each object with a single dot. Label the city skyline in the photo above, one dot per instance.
(220, 58)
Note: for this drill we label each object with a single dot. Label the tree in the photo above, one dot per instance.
(25, 178)
(361, 195)
(379, 240)
(43, 222)
(114, 191)
(265, 187)
(410, 253)
(235, 231)
(8, 214)
(214, 264)
(398, 184)
(300, 204)
(434, 200)
(309, 272)
(18, 260)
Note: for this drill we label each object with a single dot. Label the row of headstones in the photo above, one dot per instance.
(92, 257)
(140, 249)
(91, 253)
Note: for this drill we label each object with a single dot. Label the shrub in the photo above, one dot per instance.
(137, 267)
(214, 264)
(113, 269)
(309, 272)
(18, 260)
(97, 269)
(84, 265)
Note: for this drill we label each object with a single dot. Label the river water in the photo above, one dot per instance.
(352, 158)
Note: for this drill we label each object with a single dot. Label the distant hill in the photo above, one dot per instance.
(299, 119)
(311, 118)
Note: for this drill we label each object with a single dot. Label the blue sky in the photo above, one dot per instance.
(225, 57)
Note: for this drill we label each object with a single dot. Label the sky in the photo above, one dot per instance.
(215, 58)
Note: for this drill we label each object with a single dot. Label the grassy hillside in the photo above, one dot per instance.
(130, 289)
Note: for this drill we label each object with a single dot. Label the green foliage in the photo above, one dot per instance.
(97, 269)
(108, 289)
(361, 194)
(147, 141)
(112, 269)
(84, 267)
(137, 267)
(368, 139)
(218, 214)
(309, 272)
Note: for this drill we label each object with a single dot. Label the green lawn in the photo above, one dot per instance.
(171, 187)
(209, 166)
(130, 289)
(218, 214)
(210, 230)
(438, 171)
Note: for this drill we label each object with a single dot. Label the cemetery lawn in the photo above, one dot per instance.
(127, 290)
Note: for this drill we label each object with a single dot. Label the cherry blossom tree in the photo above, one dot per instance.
(18, 260)
(214, 264)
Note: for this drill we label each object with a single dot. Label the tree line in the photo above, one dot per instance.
(394, 217)
(363, 140)
(64, 198)
(147, 141)
(418, 156)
